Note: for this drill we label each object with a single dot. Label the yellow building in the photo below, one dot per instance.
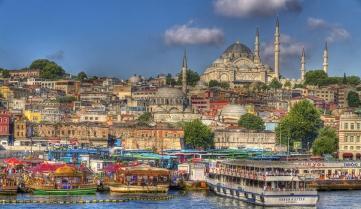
(5, 91)
(32, 116)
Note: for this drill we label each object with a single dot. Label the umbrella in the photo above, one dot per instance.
(13, 161)
(45, 167)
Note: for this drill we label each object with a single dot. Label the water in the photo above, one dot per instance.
(192, 200)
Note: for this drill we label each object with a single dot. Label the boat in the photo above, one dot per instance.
(65, 180)
(140, 179)
(8, 185)
(265, 183)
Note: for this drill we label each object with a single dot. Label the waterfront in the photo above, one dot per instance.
(196, 200)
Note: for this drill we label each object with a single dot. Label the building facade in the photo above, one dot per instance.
(349, 136)
(241, 138)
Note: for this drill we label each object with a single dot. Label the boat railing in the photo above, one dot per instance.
(250, 174)
(224, 184)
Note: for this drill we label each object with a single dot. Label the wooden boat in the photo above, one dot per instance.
(65, 180)
(141, 179)
(8, 186)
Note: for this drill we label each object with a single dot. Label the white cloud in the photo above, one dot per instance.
(187, 35)
(245, 8)
(290, 50)
(334, 32)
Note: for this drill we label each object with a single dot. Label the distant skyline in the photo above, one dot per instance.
(122, 38)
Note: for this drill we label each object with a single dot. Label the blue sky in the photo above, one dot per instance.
(125, 37)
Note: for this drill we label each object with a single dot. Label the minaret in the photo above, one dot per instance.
(325, 59)
(277, 50)
(184, 73)
(303, 71)
(257, 58)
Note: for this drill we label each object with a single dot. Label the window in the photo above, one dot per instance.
(346, 126)
(358, 147)
(351, 138)
(351, 147)
(352, 126)
(345, 147)
(346, 138)
(358, 126)
(357, 138)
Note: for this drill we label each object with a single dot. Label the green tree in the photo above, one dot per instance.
(4, 73)
(192, 78)
(353, 99)
(344, 80)
(66, 99)
(215, 83)
(169, 80)
(145, 117)
(300, 124)
(353, 80)
(315, 77)
(48, 69)
(275, 84)
(252, 122)
(82, 76)
(298, 86)
(326, 142)
(197, 135)
(287, 84)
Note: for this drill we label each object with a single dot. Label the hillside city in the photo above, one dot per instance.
(241, 129)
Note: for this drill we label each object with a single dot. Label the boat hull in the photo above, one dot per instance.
(305, 199)
(139, 189)
(64, 191)
(8, 190)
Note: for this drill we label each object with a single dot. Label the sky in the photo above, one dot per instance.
(148, 37)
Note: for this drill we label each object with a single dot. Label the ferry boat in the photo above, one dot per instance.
(265, 183)
(65, 180)
(140, 179)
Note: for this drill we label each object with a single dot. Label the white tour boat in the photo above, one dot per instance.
(266, 183)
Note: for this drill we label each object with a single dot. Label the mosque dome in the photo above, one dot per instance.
(238, 50)
(134, 79)
(233, 110)
(167, 92)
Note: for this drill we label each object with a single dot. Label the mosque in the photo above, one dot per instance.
(238, 64)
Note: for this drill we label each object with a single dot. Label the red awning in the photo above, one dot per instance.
(347, 154)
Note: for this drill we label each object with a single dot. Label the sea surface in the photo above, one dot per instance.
(190, 200)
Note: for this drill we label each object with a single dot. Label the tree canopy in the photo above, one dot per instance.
(252, 122)
(48, 69)
(320, 78)
(192, 78)
(275, 84)
(4, 73)
(353, 99)
(301, 124)
(65, 99)
(287, 84)
(326, 142)
(82, 76)
(145, 117)
(197, 135)
(169, 80)
(215, 83)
